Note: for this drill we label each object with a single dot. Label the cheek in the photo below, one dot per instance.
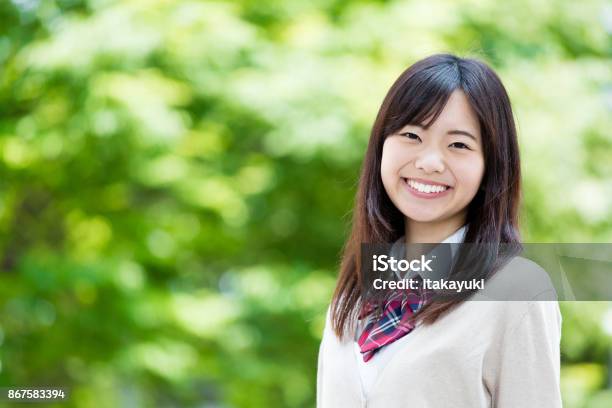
(395, 156)
(470, 173)
(390, 164)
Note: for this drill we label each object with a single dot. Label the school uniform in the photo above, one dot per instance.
(483, 353)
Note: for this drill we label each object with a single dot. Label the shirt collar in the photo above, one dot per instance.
(456, 237)
(442, 267)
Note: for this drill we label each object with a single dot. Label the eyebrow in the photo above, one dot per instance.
(453, 132)
(461, 132)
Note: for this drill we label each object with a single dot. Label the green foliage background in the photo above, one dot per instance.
(176, 180)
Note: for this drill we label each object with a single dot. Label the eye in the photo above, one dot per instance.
(460, 145)
(411, 136)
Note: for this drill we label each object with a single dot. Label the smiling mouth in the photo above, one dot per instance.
(425, 188)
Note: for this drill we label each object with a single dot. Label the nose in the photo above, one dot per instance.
(430, 161)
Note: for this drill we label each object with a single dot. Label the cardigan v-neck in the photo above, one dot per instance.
(369, 371)
(483, 353)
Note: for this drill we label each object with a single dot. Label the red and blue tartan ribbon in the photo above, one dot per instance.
(394, 322)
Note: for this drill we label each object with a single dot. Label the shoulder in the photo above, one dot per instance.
(521, 297)
(329, 335)
(520, 279)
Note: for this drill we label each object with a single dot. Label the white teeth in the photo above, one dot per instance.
(426, 188)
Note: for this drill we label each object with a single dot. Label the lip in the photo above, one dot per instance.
(419, 194)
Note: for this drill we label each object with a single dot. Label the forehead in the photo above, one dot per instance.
(457, 114)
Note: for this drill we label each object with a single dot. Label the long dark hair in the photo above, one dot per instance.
(419, 93)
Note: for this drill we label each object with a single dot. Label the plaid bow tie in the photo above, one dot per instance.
(394, 323)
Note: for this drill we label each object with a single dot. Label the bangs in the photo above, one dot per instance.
(423, 96)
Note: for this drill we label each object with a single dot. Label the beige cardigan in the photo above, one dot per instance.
(484, 353)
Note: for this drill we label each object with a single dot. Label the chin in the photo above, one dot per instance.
(423, 215)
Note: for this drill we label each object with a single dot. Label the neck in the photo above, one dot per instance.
(431, 232)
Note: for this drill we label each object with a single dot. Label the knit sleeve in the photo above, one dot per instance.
(320, 371)
(320, 376)
(526, 369)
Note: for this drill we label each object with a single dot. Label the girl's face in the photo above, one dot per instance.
(431, 175)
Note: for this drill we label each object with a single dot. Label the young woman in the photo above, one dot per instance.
(442, 166)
